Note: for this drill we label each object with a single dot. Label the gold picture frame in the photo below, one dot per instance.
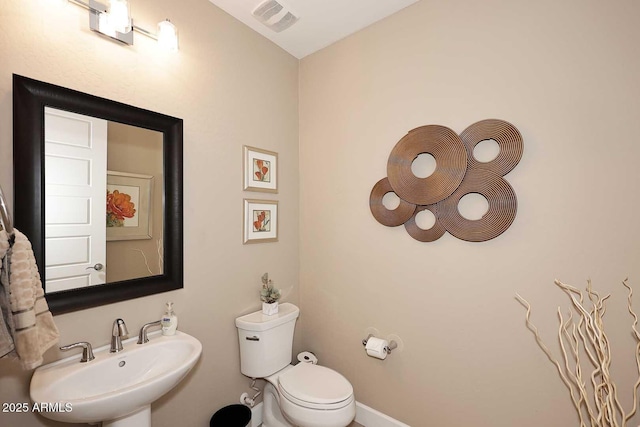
(260, 221)
(260, 170)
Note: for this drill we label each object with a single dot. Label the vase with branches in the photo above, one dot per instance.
(584, 343)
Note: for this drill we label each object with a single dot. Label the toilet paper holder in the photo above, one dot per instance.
(387, 349)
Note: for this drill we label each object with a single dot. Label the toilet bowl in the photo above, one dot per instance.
(302, 395)
(308, 395)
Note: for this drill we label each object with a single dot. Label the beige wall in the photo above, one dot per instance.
(216, 83)
(136, 150)
(566, 75)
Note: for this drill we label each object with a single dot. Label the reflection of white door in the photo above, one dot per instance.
(75, 200)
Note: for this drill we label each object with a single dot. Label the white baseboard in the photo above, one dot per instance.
(369, 417)
(366, 416)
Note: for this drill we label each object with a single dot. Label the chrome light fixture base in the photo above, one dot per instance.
(98, 23)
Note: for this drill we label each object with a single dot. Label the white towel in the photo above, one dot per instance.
(6, 325)
(35, 330)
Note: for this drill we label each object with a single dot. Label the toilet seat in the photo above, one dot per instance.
(315, 387)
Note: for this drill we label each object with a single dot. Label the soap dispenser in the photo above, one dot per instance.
(169, 321)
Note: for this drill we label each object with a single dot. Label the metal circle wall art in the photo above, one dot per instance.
(457, 174)
(429, 235)
(390, 218)
(501, 213)
(450, 154)
(504, 134)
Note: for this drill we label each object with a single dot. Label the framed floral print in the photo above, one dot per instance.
(260, 170)
(128, 206)
(260, 221)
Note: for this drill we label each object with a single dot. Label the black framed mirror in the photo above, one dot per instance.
(30, 98)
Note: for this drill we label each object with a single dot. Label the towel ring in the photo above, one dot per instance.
(5, 218)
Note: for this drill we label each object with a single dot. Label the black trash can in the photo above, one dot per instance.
(232, 416)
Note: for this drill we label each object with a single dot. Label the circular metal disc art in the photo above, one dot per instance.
(390, 218)
(457, 174)
(451, 164)
(504, 134)
(502, 207)
(430, 235)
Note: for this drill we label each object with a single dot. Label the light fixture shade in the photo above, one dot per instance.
(104, 25)
(119, 15)
(168, 35)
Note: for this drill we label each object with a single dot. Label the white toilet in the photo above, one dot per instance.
(304, 395)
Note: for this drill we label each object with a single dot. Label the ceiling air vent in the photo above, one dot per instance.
(275, 15)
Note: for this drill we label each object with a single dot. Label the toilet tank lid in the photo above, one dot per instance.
(257, 321)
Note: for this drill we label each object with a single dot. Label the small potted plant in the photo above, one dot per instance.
(269, 296)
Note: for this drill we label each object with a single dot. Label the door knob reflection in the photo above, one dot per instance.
(96, 267)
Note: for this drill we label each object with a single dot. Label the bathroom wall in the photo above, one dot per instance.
(566, 75)
(232, 87)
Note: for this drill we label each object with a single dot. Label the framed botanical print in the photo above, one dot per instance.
(260, 170)
(260, 221)
(128, 206)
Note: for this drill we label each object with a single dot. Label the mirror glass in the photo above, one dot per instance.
(98, 192)
(92, 239)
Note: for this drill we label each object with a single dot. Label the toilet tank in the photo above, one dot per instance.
(266, 342)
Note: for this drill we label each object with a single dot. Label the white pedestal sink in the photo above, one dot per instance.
(116, 389)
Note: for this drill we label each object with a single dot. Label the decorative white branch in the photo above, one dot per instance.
(597, 404)
(146, 263)
(159, 249)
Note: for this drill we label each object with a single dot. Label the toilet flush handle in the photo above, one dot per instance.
(253, 338)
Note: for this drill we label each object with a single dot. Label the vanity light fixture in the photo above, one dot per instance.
(119, 15)
(168, 35)
(114, 21)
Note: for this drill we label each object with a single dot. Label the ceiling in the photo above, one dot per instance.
(320, 23)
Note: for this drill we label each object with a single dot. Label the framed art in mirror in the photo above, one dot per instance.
(129, 215)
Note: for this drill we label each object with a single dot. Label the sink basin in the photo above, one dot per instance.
(115, 388)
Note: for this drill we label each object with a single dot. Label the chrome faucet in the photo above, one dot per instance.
(119, 330)
(87, 351)
(142, 336)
